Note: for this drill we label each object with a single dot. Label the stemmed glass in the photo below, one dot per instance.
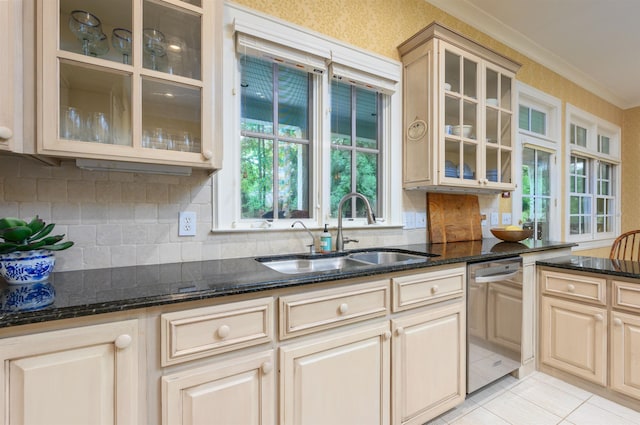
(154, 44)
(86, 27)
(99, 46)
(121, 41)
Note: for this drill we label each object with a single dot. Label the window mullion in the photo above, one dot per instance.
(276, 143)
(354, 162)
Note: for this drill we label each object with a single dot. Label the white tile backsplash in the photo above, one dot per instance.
(123, 219)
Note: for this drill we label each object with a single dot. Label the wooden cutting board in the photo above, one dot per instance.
(453, 218)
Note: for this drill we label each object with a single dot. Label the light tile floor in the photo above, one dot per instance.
(538, 399)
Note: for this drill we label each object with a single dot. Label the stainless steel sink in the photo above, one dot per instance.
(387, 257)
(311, 265)
(342, 261)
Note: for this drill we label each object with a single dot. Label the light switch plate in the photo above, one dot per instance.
(187, 223)
(494, 218)
(421, 220)
(506, 218)
(409, 220)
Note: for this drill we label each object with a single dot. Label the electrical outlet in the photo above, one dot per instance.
(187, 223)
(421, 220)
(506, 218)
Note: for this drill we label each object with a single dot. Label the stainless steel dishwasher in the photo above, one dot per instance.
(494, 320)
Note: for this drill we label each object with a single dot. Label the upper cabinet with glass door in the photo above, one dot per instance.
(130, 80)
(463, 92)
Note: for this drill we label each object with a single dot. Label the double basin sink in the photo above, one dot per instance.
(342, 261)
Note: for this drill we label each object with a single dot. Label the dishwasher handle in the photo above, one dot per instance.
(495, 277)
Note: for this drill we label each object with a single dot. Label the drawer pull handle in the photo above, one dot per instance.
(387, 335)
(267, 367)
(434, 289)
(5, 133)
(617, 322)
(123, 341)
(571, 288)
(399, 331)
(344, 308)
(224, 331)
(599, 317)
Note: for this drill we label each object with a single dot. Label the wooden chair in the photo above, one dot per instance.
(626, 247)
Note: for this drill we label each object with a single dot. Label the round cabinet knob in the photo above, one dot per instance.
(344, 308)
(5, 133)
(434, 289)
(399, 331)
(267, 367)
(571, 288)
(207, 154)
(599, 317)
(617, 322)
(123, 341)
(224, 331)
(387, 335)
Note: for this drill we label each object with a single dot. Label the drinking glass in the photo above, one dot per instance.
(99, 46)
(121, 41)
(71, 124)
(86, 27)
(154, 44)
(98, 128)
(186, 142)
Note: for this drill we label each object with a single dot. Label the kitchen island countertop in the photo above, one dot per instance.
(605, 266)
(95, 291)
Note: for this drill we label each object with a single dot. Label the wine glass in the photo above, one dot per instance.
(86, 27)
(121, 41)
(154, 44)
(99, 46)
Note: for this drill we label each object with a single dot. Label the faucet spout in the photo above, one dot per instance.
(371, 219)
(312, 247)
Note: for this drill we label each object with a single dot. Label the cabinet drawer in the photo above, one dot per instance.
(310, 312)
(576, 287)
(626, 295)
(426, 288)
(201, 332)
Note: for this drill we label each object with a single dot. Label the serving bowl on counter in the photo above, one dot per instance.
(511, 235)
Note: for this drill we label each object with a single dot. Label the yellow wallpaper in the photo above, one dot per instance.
(381, 25)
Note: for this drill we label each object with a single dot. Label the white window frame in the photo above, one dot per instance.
(594, 126)
(360, 66)
(551, 142)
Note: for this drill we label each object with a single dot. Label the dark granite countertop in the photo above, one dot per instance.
(595, 265)
(88, 292)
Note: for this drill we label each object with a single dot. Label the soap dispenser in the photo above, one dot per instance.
(325, 240)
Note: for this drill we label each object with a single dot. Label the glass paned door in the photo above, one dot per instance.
(536, 191)
(498, 138)
(461, 117)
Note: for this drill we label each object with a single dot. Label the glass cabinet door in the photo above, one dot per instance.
(130, 77)
(461, 76)
(498, 121)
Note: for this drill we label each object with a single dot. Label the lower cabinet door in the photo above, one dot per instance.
(237, 391)
(429, 363)
(340, 378)
(78, 376)
(573, 338)
(625, 354)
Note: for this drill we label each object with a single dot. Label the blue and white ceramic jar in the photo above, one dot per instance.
(27, 296)
(27, 266)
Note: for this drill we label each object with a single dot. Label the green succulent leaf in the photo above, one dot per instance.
(7, 247)
(43, 232)
(8, 222)
(18, 234)
(58, 247)
(36, 224)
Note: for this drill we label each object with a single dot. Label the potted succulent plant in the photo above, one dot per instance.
(26, 250)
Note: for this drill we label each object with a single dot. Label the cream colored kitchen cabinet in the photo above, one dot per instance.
(11, 75)
(625, 353)
(129, 81)
(82, 375)
(340, 378)
(574, 338)
(236, 391)
(459, 120)
(428, 369)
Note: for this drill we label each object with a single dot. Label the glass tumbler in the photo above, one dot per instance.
(71, 123)
(99, 128)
